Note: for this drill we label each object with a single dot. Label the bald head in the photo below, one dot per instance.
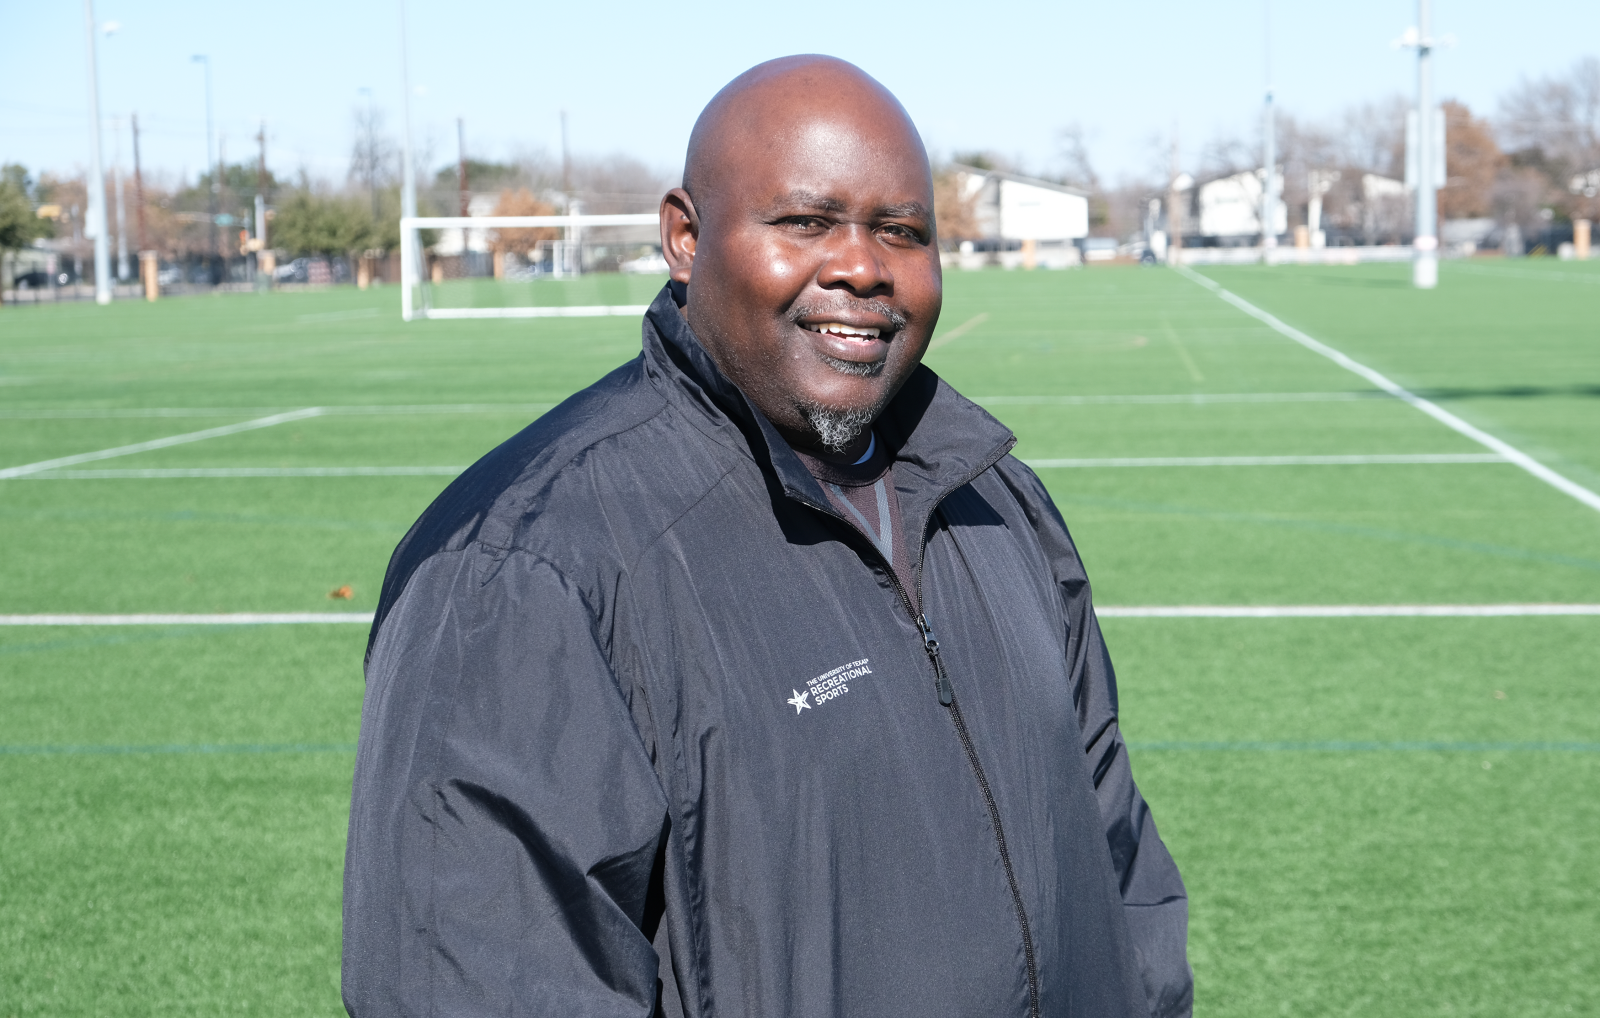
(775, 105)
(804, 230)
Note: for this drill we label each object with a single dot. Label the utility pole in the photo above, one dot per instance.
(201, 58)
(566, 165)
(1425, 263)
(461, 169)
(138, 185)
(117, 191)
(122, 225)
(97, 178)
(372, 155)
(261, 161)
(264, 263)
(1174, 205)
(1269, 156)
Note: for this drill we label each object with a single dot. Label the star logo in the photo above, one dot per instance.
(799, 700)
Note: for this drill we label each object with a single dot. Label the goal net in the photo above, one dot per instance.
(529, 266)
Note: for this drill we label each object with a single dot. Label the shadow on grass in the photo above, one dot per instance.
(1579, 391)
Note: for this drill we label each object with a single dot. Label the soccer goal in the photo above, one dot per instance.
(542, 266)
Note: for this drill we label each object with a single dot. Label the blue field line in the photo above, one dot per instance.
(200, 748)
(1352, 746)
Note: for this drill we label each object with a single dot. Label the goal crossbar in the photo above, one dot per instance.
(411, 277)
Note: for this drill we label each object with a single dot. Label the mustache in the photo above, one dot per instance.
(897, 320)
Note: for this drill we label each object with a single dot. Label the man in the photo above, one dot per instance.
(656, 720)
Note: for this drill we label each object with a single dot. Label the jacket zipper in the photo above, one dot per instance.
(947, 699)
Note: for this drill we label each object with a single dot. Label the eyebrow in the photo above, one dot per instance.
(823, 203)
(811, 200)
(905, 210)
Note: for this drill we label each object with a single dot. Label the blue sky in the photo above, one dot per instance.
(632, 76)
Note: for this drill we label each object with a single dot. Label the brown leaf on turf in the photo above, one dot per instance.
(344, 593)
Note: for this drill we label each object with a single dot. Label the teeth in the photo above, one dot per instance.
(843, 330)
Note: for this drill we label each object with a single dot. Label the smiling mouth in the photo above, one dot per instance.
(843, 331)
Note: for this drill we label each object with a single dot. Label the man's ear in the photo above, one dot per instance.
(680, 231)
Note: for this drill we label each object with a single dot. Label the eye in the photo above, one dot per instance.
(803, 224)
(900, 233)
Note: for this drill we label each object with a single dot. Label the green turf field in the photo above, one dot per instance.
(1375, 816)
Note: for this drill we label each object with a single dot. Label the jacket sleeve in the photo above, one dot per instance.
(1153, 897)
(506, 821)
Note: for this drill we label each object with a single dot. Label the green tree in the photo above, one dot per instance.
(325, 224)
(19, 224)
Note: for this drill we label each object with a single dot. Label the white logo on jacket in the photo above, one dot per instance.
(830, 685)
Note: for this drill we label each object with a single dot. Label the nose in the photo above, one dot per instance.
(855, 262)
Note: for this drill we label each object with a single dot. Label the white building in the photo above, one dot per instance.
(1008, 206)
(1230, 207)
(456, 241)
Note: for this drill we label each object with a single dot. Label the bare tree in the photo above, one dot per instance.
(521, 202)
(1552, 126)
(374, 157)
(954, 208)
(1473, 162)
(1074, 154)
(1558, 115)
(1372, 137)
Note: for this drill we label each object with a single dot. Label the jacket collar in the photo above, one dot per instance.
(940, 440)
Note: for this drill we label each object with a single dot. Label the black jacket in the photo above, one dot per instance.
(650, 729)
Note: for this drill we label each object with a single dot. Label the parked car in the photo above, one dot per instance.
(32, 280)
(297, 271)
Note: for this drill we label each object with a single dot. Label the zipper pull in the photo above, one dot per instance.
(941, 681)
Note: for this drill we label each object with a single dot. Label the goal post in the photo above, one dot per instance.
(416, 298)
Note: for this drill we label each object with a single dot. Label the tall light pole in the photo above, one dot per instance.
(1269, 154)
(97, 177)
(1425, 262)
(201, 58)
(408, 174)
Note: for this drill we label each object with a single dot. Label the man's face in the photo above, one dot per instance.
(815, 280)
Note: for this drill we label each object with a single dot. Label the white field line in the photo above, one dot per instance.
(178, 473)
(1267, 461)
(1438, 413)
(1312, 611)
(159, 443)
(585, 311)
(398, 410)
(227, 619)
(1197, 398)
(169, 473)
(1343, 611)
(960, 330)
